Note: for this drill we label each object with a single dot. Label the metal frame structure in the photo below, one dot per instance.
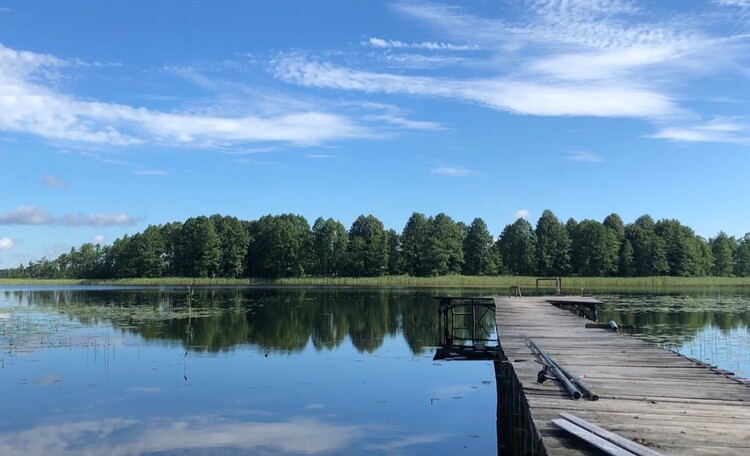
(463, 334)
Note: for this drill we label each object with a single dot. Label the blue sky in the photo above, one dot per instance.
(117, 115)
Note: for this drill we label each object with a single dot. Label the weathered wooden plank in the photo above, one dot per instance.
(591, 438)
(648, 394)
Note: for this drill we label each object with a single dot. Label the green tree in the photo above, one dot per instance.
(682, 249)
(281, 246)
(147, 253)
(625, 265)
(649, 250)
(200, 248)
(595, 249)
(705, 265)
(517, 247)
(171, 233)
(723, 247)
(614, 222)
(445, 254)
(368, 247)
(414, 245)
(479, 252)
(395, 256)
(742, 257)
(234, 240)
(552, 246)
(330, 241)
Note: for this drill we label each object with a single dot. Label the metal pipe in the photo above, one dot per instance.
(579, 383)
(583, 387)
(572, 390)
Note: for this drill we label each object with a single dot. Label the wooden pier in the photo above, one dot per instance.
(652, 396)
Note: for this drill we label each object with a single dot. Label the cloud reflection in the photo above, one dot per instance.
(117, 437)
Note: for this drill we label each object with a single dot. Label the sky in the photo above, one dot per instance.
(123, 114)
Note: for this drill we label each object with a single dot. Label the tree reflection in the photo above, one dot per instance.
(293, 319)
(272, 319)
(676, 319)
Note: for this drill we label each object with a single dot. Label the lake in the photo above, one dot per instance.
(277, 371)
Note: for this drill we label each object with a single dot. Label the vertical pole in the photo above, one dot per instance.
(473, 323)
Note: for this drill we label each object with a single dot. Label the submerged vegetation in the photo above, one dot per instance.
(428, 248)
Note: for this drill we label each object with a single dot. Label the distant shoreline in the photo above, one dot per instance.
(449, 281)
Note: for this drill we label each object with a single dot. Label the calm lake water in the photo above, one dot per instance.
(276, 371)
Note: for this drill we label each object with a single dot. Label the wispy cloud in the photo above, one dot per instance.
(583, 156)
(603, 58)
(737, 3)
(107, 160)
(34, 215)
(506, 94)
(53, 181)
(454, 171)
(33, 105)
(393, 115)
(408, 60)
(6, 243)
(429, 45)
(522, 213)
(4, 9)
(720, 130)
(150, 172)
(98, 239)
(319, 156)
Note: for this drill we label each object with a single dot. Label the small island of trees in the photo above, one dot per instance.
(283, 246)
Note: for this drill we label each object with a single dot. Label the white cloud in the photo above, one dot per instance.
(53, 181)
(583, 156)
(319, 156)
(734, 130)
(31, 105)
(33, 215)
(98, 239)
(597, 58)
(429, 45)
(6, 243)
(403, 60)
(521, 97)
(100, 220)
(27, 215)
(737, 3)
(150, 172)
(453, 172)
(522, 213)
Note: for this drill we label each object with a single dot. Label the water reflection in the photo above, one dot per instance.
(234, 371)
(187, 435)
(281, 320)
(713, 328)
(674, 319)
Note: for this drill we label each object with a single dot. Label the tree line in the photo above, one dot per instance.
(277, 246)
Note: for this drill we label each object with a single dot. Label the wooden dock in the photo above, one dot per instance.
(649, 395)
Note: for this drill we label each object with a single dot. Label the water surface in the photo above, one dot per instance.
(280, 371)
(130, 371)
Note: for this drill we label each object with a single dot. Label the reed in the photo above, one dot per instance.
(453, 281)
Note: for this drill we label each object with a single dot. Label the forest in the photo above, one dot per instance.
(282, 246)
